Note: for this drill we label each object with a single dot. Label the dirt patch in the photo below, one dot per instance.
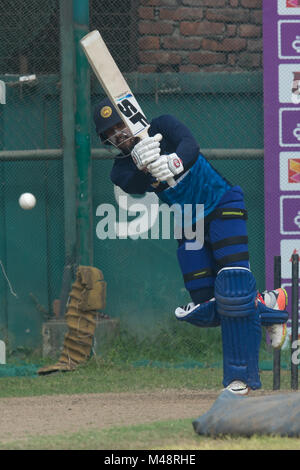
(45, 415)
(57, 414)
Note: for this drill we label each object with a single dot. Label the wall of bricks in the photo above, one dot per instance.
(199, 35)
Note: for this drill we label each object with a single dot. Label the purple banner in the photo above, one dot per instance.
(281, 33)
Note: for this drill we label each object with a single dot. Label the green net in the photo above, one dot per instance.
(198, 60)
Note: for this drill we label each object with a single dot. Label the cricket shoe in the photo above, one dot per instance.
(277, 300)
(203, 315)
(238, 388)
(189, 308)
(185, 309)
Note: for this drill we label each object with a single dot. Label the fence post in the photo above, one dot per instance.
(2, 92)
(82, 136)
(67, 75)
(2, 353)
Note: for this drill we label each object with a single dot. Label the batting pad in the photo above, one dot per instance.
(245, 416)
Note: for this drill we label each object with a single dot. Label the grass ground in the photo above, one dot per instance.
(170, 435)
(126, 370)
(100, 376)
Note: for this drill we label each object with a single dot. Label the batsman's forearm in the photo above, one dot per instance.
(136, 183)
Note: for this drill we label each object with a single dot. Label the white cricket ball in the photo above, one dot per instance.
(27, 201)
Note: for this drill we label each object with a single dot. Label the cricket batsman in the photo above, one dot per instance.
(217, 276)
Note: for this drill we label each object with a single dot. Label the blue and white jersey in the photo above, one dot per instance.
(200, 183)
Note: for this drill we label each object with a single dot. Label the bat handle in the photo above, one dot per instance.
(171, 182)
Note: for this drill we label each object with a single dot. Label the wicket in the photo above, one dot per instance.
(294, 322)
(295, 307)
(277, 352)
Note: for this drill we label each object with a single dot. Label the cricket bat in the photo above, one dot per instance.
(115, 86)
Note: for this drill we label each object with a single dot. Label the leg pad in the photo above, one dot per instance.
(235, 293)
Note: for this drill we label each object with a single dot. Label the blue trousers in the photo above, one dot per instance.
(225, 245)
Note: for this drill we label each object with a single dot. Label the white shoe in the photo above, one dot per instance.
(238, 388)
(185, 309)
(276, 299)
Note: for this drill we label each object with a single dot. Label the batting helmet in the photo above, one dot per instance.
(105, 116)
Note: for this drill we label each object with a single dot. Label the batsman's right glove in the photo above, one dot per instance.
(166, 167)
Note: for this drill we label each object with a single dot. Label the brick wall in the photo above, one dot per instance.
(193, 35)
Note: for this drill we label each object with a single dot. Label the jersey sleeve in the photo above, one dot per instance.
(128, 177)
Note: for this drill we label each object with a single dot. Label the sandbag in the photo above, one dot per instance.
(277, 414)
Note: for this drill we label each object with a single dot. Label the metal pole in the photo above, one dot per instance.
(3, 258)
(82, 136)
(3, 237)
(276, 352)
(295, 308)
(105, 154)
(67, 73)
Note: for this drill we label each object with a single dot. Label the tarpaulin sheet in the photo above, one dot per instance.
(245, 415)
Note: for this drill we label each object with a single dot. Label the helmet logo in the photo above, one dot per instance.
(106, 112)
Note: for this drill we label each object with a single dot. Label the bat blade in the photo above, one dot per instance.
(115, 86)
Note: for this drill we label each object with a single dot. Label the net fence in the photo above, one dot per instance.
(199, 60)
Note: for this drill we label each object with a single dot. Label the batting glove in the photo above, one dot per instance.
(166, 166)
(146, 151)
